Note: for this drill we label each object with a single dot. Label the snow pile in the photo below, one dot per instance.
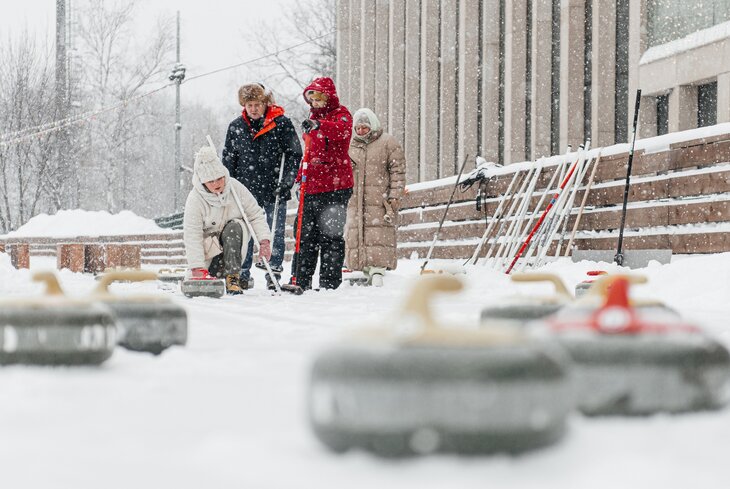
(71, 223)
(695, 40)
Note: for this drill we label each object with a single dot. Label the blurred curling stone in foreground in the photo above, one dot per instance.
(582, 287)
(148, 323)
(639, 360)
(203, 285)
(520, 309)
(595, 296)
(170, 279)
(414, 387)
(53, 329)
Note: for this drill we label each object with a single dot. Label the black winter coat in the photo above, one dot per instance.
(253, 152)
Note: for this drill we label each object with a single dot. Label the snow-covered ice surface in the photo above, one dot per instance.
(76, 222)
(228, 410)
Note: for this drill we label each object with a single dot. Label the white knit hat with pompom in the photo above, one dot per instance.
(208, 166)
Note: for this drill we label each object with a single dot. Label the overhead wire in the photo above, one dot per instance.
(21, 135)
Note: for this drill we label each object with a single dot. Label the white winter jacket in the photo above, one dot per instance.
(204, 216)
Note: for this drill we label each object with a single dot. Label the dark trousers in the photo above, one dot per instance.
(229, 262)
(277, 247)
(323, 228)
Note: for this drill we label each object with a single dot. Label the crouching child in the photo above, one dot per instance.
(215, 234)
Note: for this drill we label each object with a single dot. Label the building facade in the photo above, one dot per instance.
(514, 80)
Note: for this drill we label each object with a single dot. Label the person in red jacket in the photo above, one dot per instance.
(328, 187)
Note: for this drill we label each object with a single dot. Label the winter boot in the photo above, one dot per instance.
(270, 283)
(246, 283)
(233, 286)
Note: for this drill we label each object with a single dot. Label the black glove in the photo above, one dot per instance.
(309, 125)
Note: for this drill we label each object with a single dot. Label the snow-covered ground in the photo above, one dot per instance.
(228, 410)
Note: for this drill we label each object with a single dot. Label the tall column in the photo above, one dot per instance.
(448, 89)
(429, 90)
(723, 97)
(683, 108)
(367, 43)
(382, 42)
(572, 20)
(412, 91)
(603, 115)
(355, 89)
(647, 117)
(542, 23)
(490, 80)
(637, 45)
(468, 76)
(397, 69)
(515, 81)
(343, 49)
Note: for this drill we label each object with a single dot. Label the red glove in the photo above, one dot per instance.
(265, 249)
(199, 273)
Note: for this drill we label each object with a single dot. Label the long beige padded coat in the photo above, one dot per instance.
(379, 170)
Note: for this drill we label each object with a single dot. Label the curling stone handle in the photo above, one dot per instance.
(418, 302)
(560, 287)
(51, 281)
(128, 275)
(600, 286)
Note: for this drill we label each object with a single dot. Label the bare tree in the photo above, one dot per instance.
(313, 22)
(120, 70)
(26, 100)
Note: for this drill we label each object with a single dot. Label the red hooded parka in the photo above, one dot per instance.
(329, 166)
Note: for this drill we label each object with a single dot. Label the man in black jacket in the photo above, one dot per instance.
(257, 144)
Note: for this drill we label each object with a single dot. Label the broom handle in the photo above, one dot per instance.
(251, 231)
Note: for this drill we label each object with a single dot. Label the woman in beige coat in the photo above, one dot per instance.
(378, 165)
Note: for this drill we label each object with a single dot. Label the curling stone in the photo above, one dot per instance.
(54, 329)
(595, 296)
(582, 287)
(368, 276)
(203, 285)
(420, 388)
(168, 275)
(169, 279)
(637, 361)
(146, 323)
(518, 310)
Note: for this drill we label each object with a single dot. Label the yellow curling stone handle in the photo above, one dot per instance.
(123, 275)
(51, 281)
(560, 287)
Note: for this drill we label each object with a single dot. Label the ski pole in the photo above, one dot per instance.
(250, 230)
(443, 217)
(535, 211)
(571, 201)
(560, 169)
(276, 202)
(505, 217)
(560, 205)
(515, 209)
(542, 217)
(497, 215)
(619, 258)
(518, 224)
(582, 205)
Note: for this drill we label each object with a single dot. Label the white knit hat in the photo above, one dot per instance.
(208, 166)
